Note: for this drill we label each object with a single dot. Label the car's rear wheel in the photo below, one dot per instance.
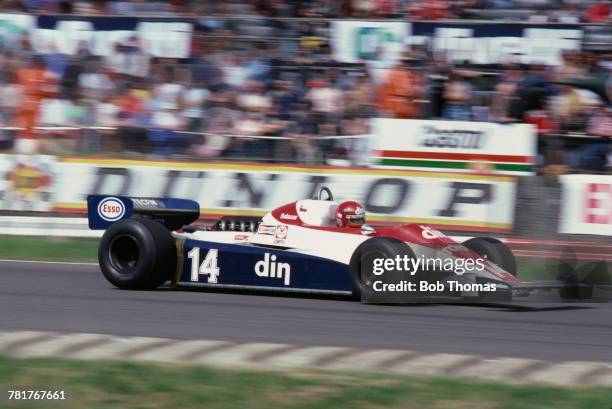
(362, 264)
(495, 251)
(137, 254)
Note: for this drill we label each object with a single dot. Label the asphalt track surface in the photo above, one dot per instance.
(77, 298)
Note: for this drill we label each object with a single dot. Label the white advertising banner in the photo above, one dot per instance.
(454, 145)
(586, 204)
(478, 43)
(14, 25)
(368, 41)
(158, 39)
(462, 202)
(493, 44)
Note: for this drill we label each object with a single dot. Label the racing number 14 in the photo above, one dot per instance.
(208, 266)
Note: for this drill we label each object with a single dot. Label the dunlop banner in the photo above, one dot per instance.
(448, 200)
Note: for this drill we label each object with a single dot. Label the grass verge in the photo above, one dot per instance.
(48, 248)
(97, 385)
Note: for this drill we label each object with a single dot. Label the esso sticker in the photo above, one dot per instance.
(111, 209)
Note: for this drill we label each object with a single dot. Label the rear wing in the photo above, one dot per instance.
(102, 211)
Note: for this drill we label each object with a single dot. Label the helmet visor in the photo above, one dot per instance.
(355, 220)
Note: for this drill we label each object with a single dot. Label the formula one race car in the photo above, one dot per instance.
(297, 247)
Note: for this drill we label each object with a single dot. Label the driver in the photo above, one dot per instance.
(350, 214)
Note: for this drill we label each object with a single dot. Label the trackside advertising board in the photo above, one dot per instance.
(377, 42)
(454, 145)
(457, 201)
(381, 43)
(586, 204)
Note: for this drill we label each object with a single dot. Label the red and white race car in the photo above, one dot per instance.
(296, 247)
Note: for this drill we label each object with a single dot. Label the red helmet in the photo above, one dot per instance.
(350, 213)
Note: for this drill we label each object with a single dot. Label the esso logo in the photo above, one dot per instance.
(111, 209)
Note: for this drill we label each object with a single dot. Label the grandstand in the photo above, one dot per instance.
(300, 81)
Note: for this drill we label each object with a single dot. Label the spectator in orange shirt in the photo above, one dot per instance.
(35, 85)
(398, 93)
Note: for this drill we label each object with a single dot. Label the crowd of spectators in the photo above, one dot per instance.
(207, 106)
(283, 100)
(564, 11)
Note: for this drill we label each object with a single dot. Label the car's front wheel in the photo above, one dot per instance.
(364, 265)
(495, 251)
(137, 254)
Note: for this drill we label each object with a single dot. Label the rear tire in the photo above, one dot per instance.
(137, 254)
(495, 251)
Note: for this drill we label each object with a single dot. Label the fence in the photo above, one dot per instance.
(121, 142)
(341, 150)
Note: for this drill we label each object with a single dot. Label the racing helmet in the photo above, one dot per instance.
(351, 214)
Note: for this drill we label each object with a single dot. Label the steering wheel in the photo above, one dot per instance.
(325, 189)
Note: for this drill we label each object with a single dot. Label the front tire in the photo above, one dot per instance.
(495, 251)
(361, 265)
(137, 254)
